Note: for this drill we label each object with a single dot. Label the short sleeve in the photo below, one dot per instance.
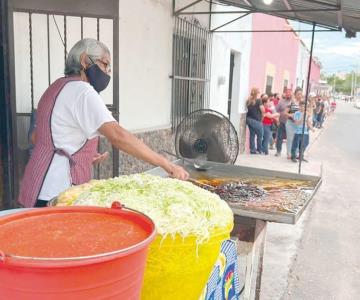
(90, 112)
(297, 116)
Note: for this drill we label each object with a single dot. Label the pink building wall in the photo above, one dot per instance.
(277, 50)
(315, 73)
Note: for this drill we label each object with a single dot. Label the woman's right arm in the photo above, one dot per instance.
(123, 140)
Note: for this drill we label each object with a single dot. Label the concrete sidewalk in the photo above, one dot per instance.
(282, 240)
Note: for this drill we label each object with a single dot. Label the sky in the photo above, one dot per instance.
(336, 52)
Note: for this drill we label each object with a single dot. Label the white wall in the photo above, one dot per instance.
(145, 59)
(223, 44)
(40, 53)
(145, 63)
(302, 66)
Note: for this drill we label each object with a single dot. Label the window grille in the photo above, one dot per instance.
(191, 69)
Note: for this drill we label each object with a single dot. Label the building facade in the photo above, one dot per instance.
(164, 66)
(273, 55)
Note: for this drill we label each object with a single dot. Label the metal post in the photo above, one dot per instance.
(31, 63)
(355, 81)
(352, 84)
(116, 96)
(8, 171)
(48, 47)
(301, 154)
(210, 10)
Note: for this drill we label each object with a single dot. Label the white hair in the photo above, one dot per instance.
(93, 48)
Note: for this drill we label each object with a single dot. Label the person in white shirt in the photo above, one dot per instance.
(79, 115)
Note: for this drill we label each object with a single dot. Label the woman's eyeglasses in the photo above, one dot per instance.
(106, 65)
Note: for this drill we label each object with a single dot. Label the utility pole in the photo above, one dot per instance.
(352, 84)
(355, 88)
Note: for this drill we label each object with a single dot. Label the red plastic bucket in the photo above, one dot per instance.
(112, 275)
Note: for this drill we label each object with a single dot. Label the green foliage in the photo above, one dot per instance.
(342, 85)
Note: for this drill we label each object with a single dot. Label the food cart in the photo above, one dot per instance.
(287, 199)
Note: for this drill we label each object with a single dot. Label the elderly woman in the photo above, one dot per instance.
(71, 116)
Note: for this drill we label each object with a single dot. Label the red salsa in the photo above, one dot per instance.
(69, 235)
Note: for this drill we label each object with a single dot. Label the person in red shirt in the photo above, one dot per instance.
(276, 99)
(269, 118)
(333, 105)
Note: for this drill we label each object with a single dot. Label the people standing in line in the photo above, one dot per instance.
(281, 108)
(320, 108)
(299, 137)
(254, 117)
(290, 125)
(272, 103)
(326, 108)
(333, 105)
(268, 120)
(312, 108)
(276, 99)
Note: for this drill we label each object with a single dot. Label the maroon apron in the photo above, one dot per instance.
(44, 150)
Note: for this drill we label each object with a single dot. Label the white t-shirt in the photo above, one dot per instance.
(78, 113)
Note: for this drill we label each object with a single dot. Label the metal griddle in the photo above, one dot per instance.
(220, 170)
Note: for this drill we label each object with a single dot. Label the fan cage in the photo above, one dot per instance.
(207, 135)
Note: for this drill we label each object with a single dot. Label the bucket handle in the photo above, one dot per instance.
(117, 204)
(2, 257)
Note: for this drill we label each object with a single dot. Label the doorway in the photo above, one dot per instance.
(269, 84)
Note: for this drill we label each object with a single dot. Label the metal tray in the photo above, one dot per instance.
(220, 170)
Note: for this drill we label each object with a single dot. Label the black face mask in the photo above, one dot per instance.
(97, 77)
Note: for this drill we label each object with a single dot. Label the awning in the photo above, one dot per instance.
(335, 14)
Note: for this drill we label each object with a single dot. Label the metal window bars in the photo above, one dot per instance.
(191, 69)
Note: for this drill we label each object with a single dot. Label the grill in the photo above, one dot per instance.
(286, 195)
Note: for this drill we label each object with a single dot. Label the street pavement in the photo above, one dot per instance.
(319, 257)
(327, 264)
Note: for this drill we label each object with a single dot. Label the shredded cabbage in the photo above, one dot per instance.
(176, 207)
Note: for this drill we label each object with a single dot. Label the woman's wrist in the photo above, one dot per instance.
(164, 163)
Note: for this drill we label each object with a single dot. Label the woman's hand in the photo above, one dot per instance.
(176, 171)
(99, 158)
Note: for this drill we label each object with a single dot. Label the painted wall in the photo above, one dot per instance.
(145, 64)
(315, 73)
(273, 54)
(302, 66)
(223, 45)
(145, 41)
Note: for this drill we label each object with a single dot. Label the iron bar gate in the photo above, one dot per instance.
(41, 32)
(191, 69)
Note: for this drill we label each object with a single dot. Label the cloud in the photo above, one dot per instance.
(349, 50)
(333, 50)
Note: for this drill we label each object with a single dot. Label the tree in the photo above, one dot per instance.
(341, 85)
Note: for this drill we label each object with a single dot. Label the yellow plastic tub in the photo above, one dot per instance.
(178, 268)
